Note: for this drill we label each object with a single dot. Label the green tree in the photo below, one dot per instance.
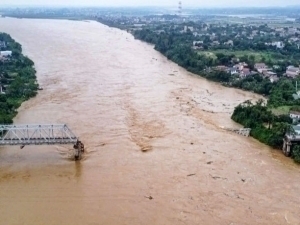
(296, 153)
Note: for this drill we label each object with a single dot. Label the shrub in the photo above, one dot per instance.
(296, 153)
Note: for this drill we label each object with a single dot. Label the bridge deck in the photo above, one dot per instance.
(36, 134)
(241, 131)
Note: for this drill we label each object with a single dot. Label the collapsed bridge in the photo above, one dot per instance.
(46, 134)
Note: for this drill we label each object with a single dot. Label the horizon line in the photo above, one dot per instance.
(141, 6)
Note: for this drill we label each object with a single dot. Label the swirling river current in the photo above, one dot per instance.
(156, 150)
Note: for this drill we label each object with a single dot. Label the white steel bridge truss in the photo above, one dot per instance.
(36, 135)
(53, 134)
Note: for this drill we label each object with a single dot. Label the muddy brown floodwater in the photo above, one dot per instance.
(150, 128)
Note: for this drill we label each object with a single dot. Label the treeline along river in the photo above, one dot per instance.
(17, 78)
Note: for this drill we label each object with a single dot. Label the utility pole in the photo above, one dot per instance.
(180, 8)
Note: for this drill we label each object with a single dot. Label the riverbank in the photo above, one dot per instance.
(230, 67)
(177, 48)
(17, 78)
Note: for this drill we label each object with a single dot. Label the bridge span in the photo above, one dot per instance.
(40, 134)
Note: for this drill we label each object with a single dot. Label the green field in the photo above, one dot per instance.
(258, 55)
(273, 22)
(12, 74)
(282, 110)
(276, 25)
(208, 54)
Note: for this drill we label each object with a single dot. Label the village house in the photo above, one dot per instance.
(278, 44)
(262, 33)
(245, 72)
(196, 34)
(294, 115)
(294, 39)
(230, 43)
(139, 24)
(273, 78)
(215, 43)
(2, 44)
(3, 58)
(270, 75)
(222, 68)
(1, 89)
(197, 47)
(279, 29)
(187, 28)
(240, 66)
(232, 71)
(296, 96)
(197, 43)
(5, 53)
(292, 71)
(260, 67)
(205, 28)
(292, 31)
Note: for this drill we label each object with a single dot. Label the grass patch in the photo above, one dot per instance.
(12, 74)
(208, 54)
(282, 110)
(258, 55)
(279, 25)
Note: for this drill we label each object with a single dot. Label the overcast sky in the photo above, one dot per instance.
(198, 3)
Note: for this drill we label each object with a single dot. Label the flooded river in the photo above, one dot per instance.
(156, 152)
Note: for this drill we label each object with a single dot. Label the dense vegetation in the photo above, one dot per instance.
(282, 93)
(178, 49)
(17, 75)
(265, 126)
(296, 153)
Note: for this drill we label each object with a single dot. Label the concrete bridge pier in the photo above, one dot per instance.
(286, 148)
(79, 149)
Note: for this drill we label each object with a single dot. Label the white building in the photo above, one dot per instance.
(260, 67)
(292, 71)
(197, 43)
(186, 28)
(6, 53)
(1, 89)
(295, 115)
(278, 44)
